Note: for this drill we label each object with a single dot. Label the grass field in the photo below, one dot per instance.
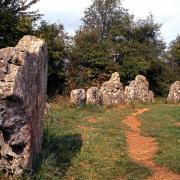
(161, 122)
(88, 143)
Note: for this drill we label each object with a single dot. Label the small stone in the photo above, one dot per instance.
(94, 96)
(174, 92)
(138, 90)
(112, 91)
(78, 96)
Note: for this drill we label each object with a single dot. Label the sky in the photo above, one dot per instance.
(69, 13)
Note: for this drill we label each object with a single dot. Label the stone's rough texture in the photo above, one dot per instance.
(78, 96)
(23, 79)
(112, 91)
(174, 92)
(139, 90)
(115, 78)
(94, 96)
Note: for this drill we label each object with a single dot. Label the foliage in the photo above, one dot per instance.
(56, 38)
(102, 15)
(141, 49)
(16, 21)
(173, 57)
(111, 40)
(92, 61)
(92, 53)
(174, 51)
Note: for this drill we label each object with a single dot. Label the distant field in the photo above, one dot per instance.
(88, 143)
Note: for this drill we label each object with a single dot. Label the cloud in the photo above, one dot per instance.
(165, 12)
(70, 21)
(56, 6)
(69, 12)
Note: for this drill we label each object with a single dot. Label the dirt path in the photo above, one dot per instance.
(142, 149)
(177, 123)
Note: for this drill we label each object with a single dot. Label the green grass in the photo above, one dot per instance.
(160, 123)
(86, 143)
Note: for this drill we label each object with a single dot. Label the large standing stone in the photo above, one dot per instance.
(112, 91)
(139, 90)
(23, 79)
(174, 92)
(78, 96)
(94, 96)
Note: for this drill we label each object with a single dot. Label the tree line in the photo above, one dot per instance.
(109, 39)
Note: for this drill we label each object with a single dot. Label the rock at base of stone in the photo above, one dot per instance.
(94, 96)
(174, 93)
(78, 96)
(138, 90)
(23, 81)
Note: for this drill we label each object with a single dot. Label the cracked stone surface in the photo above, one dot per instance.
(138, 90)
(23, 84)
(94, 96)
(174, 92)
(78, 96)
(112, 91)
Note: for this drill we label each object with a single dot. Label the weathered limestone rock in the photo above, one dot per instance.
(115, 78)
(94, 96)
(23, 79)
(112, 91)
(174, 92)
(78, 96)
(139, 90)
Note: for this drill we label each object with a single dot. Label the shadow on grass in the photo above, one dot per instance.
(56, 156)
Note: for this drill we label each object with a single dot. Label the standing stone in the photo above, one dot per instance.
(23, 81)
(138, 90)
(112, 91)
(174, 92)
(94, 96)
(78, 96)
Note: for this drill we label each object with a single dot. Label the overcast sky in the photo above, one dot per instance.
(69, 12)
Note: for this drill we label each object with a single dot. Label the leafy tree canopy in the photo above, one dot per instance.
(57, 39)
(174, 51)
(15, 20)
(111, 40)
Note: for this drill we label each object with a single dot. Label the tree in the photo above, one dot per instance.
(102, 15)
(92, 60)
(56, 38)
(142, 49)
(15, 20)
(171, 71)
(174, 52)
(93, 51)
(111, 40)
